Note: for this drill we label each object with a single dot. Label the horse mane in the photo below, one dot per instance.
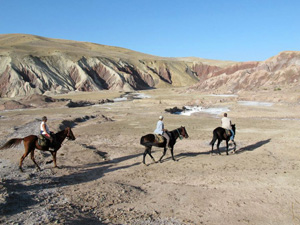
(176, 129)
(62, 131)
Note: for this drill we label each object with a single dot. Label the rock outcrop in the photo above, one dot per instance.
(282, 70)
(35, 65)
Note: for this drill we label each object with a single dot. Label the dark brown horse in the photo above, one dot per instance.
(220, 134)
(149, 140)
(31, 143)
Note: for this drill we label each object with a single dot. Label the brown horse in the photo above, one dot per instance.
(220, 134)
(149, 140)
(31, 143)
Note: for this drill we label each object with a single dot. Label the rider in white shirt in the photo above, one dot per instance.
(226, 124)
(44, 129)
(160, 129)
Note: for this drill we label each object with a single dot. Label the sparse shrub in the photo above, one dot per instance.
(277, 89)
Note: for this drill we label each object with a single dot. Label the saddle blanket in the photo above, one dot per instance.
(160, 139)
(228, 132)
(42, 141)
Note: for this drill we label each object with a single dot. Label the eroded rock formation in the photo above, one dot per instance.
(35, 65)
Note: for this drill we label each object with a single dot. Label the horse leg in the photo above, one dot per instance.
(172, 153)
(234, 146)
(144, 155)
(226, 147)
(212, 147)
(22, 159)
(147, 151)
(165, 150)
(53, 153)
(218, 144)
(213, 143)
(32, 158)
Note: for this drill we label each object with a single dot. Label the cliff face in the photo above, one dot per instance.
(282, 70)
(35, 65)
(57, 73)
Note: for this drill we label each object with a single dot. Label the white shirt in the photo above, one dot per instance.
(226, 123)
(159, 127)
(42, 130)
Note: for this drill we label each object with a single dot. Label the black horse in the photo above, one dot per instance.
(149, 140)
(220, 134)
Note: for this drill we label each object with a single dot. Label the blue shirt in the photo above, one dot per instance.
(159, 127)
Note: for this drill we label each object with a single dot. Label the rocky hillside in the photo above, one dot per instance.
(37, 65)
(280, 71)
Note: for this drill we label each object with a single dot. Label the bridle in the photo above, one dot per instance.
(182, 134)
(69, 134)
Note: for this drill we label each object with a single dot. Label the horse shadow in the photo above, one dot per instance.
(183, 155)
(23, 196)
(253, 146)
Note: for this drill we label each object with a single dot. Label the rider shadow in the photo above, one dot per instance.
(93, 148)
(253, 146)
(23, 196)
(187, 155)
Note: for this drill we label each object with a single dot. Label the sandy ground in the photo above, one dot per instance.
(102, 180)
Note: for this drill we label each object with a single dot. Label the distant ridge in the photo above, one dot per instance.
(275, 73)
(32, 64)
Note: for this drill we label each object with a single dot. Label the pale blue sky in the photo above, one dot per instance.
(239, 30)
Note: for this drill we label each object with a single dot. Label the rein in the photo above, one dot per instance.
(180, 136)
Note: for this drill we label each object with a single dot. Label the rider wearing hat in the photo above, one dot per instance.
(160, 129)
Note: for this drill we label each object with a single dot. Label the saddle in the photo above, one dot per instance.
(42, 141)
(159, 138)
(228, 132)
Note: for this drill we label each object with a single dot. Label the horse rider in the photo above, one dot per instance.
(226, 124)
(44, 130)
(160, 129)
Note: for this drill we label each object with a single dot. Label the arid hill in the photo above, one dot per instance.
(35, 65)
(280, 71)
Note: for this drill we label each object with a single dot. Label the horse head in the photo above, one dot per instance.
(70, 135)
(183, 132)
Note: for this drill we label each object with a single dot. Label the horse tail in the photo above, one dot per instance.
(214, 138)
(145, 141)
(142, 141)
(12, 143)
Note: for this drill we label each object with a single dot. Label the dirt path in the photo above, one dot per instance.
(102, 179)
